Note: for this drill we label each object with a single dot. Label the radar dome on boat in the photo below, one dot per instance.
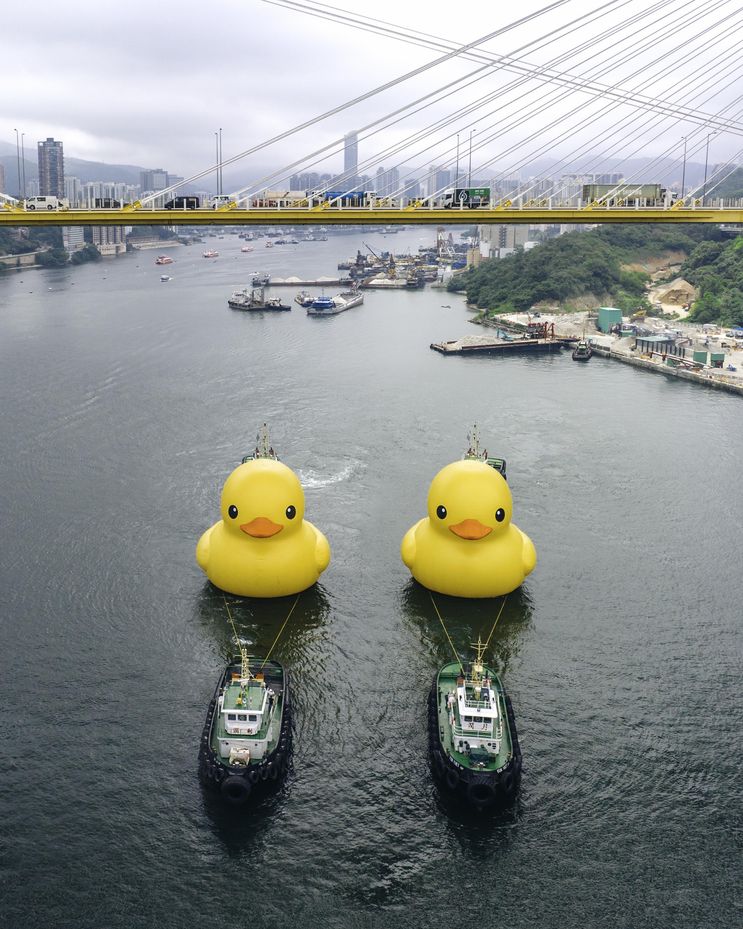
(467, 546)
(262, 546)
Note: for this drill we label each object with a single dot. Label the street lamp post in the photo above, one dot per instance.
(23, 163)
(456, 179)
(18, 159)
(216, 144)
(221, 179)
(683, 172)
(706, 162)
(469, 171)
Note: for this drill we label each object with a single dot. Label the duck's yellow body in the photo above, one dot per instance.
(467, 546)
(263, 546)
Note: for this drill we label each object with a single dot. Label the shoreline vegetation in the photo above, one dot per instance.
(602, 267)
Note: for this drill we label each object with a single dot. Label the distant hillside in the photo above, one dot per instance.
(716, 268)
(576, 265)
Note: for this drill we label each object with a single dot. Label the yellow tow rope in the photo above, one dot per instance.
(496, 621)
(446, 632)
(273, 644)
(280, 631)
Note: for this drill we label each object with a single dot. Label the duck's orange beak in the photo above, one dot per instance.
(471, 529)
(261, 528)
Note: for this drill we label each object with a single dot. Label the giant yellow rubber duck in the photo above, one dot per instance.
(263, 546)
(467, 546)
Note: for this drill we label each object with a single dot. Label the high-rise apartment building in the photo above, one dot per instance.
(438, 179)
(351, 158)
(51, 168)
(387, 182)
(153, 179)
(72, 190)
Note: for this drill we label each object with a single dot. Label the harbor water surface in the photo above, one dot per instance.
(126, 403)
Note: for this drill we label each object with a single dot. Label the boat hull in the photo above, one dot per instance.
(342, 304)
(236, 784)
(479, 789)
(259, 308)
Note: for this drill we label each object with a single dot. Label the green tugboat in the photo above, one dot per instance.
(263, 447)
(246, 740)
(473, 745)
(474, 453)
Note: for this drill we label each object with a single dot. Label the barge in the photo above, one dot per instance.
(489, 345)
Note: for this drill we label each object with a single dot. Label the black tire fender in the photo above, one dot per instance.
(481, 791)
(235, 790)
(452, 779)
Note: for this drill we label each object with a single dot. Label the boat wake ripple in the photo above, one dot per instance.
(312, 479)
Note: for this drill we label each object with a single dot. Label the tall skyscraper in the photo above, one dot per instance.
(153, 179)
(351, 158)
(51, 168)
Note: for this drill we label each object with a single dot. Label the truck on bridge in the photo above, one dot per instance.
(628, 195)
(469, 198)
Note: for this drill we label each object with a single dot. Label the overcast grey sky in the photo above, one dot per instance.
(148, 83)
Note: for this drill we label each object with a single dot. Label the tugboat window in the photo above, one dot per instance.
(252, 718)
(232, 716)
(243, 717)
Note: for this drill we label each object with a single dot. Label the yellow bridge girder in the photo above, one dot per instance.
(365, 216)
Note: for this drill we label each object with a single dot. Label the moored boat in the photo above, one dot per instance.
(331, 306)
(255, 300)
(261, 279)
(304, 298)
(473, 746)
(582, 351)
(246, 741)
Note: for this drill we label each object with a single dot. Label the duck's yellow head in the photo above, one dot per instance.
(471, 500)
(262, 499)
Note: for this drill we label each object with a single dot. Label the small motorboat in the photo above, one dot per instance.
(165, 277)
(582, 351)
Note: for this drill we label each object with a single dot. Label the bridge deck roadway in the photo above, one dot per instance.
(361, 216)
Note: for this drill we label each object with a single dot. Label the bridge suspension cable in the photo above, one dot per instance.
(555, 4)
(627, 120)
(550, 100)
(537, 43)
(426, 40)
(560, 120)
(682, 113)
(432, 96)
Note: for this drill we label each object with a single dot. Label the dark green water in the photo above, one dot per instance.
(125, 404)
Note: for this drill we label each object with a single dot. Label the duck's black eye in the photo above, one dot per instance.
(441, 512)
(500, 515)
(291, 512)
(232, 511)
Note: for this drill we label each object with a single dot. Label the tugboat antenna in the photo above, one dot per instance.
(244, 660)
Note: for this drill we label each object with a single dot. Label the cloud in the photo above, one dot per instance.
(149, 83)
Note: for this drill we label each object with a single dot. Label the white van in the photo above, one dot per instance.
(46, 203)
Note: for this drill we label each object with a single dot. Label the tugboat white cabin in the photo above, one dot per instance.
(244, 721)
(476, 722)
